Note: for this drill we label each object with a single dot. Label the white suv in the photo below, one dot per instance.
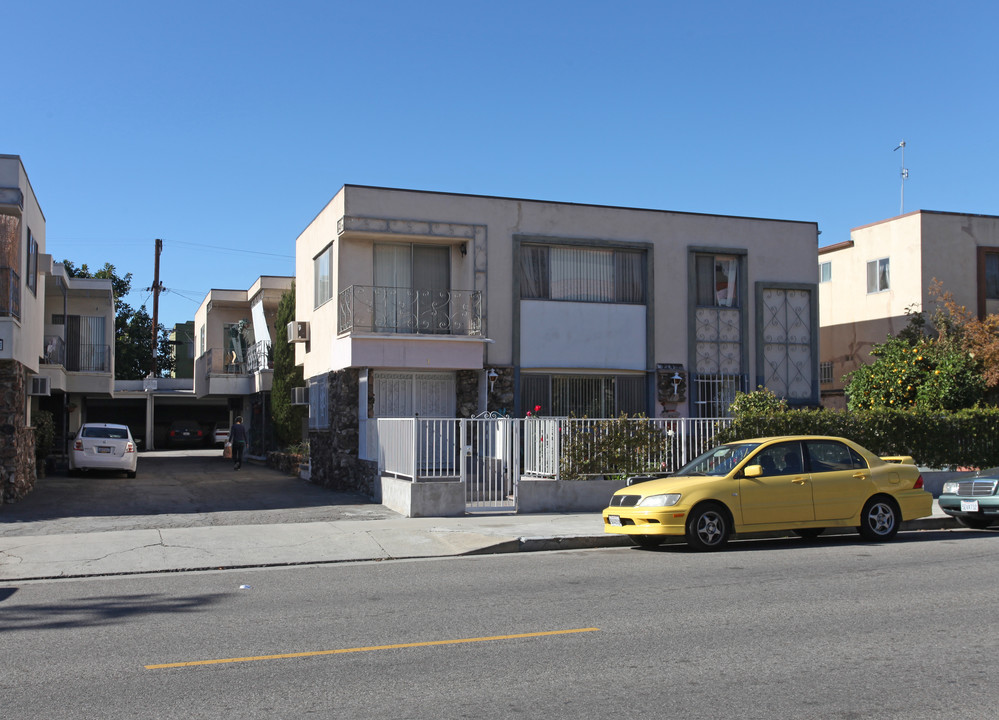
(102, 446)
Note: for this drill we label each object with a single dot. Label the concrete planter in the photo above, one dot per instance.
(537, 496)
(422, 499)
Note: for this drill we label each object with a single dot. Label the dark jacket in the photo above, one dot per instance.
(238, 433)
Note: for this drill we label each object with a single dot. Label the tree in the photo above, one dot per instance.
(133, 328)
(924, 374)
(287, 418)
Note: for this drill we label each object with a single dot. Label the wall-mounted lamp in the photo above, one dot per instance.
(677, 379)
(492, 375)
(463, 249)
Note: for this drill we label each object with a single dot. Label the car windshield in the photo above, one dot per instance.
(718, 461)
(106, 433)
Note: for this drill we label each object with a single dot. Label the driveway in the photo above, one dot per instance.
(176, 489)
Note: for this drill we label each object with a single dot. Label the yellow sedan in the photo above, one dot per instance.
(802, 483)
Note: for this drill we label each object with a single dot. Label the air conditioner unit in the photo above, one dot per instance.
(300, 396)
(298, 331)
(40, 385)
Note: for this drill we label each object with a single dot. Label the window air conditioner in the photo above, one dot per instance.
(300, 396)
(298, 331)
(40, 385)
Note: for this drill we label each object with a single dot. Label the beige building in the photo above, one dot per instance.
(430, 304)
(867, 283)
(56, 335)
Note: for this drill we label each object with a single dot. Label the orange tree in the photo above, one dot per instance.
(918, 374)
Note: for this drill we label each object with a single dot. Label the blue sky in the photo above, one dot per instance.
(224, 127)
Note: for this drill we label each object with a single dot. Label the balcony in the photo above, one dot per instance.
(365, 308)
(10, 293)
(80, 357)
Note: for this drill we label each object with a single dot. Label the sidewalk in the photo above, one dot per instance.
(125, 552)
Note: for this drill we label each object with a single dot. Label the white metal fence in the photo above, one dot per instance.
(490, 454)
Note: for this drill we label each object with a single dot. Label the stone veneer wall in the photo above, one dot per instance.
(334, 453)
(500, 395)
(467, 385)
(17, 441)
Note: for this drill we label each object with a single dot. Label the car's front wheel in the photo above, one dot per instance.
(647, 541)
(879, 519)
(974, 523)
(707, 528)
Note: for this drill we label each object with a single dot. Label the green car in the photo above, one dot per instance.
(973, 501)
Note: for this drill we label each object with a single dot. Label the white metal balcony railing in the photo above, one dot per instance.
(407, 310)
(435, 449)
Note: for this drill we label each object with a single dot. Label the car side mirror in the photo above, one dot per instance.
(752, 471)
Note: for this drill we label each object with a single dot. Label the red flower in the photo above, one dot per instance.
(537, 408)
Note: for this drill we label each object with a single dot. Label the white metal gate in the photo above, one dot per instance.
(491, 464)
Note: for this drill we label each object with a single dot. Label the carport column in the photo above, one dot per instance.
(149, 385)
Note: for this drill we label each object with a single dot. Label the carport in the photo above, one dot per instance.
(150, 410)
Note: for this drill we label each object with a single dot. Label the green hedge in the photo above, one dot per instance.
(965, 438)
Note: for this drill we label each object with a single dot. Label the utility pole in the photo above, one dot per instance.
(157, 286)
(905, 176)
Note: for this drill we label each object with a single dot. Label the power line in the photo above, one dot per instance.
(237, 250)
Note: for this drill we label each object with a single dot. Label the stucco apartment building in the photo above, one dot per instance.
(867, 283)
(56, 334)
(427, 304)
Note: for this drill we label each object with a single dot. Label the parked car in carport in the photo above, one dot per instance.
(103, 446)
(221, 434)
(186, 433)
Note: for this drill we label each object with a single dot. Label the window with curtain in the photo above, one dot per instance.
(323, 281)
(717, 280)
(10, 265)
(877, 276)
(582, 274)
(412, 288)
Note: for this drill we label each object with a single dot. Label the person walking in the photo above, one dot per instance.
(237, 436)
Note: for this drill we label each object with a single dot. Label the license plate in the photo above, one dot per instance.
(614, 520)
(105, 450)
(969, 506)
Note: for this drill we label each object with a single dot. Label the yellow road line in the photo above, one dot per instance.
(368, 649)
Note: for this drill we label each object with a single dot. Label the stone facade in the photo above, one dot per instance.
(500, 396)
(17, 441)
(334, 455)
(467, 384)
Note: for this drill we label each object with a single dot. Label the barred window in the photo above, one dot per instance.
(594, 396)
(825, 372)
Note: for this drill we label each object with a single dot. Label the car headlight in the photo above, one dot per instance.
(950, 488)
(660, 500)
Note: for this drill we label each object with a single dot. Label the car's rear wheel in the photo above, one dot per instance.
(809, 533)
(707, 528)
(647, 541)
(879, 519)
(974, 523)
(131, 473)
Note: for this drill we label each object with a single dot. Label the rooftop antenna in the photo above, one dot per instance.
(905, 176)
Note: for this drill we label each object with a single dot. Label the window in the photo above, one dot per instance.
(582, 274)
(323, 281)
(877, 275)
(594, 396)
(992, 276)
(10, 265)
(32, 274)
(717, 280)
(318, 403)
(825, 272)
(825, 372)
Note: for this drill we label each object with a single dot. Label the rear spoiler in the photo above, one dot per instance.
(899, 459)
